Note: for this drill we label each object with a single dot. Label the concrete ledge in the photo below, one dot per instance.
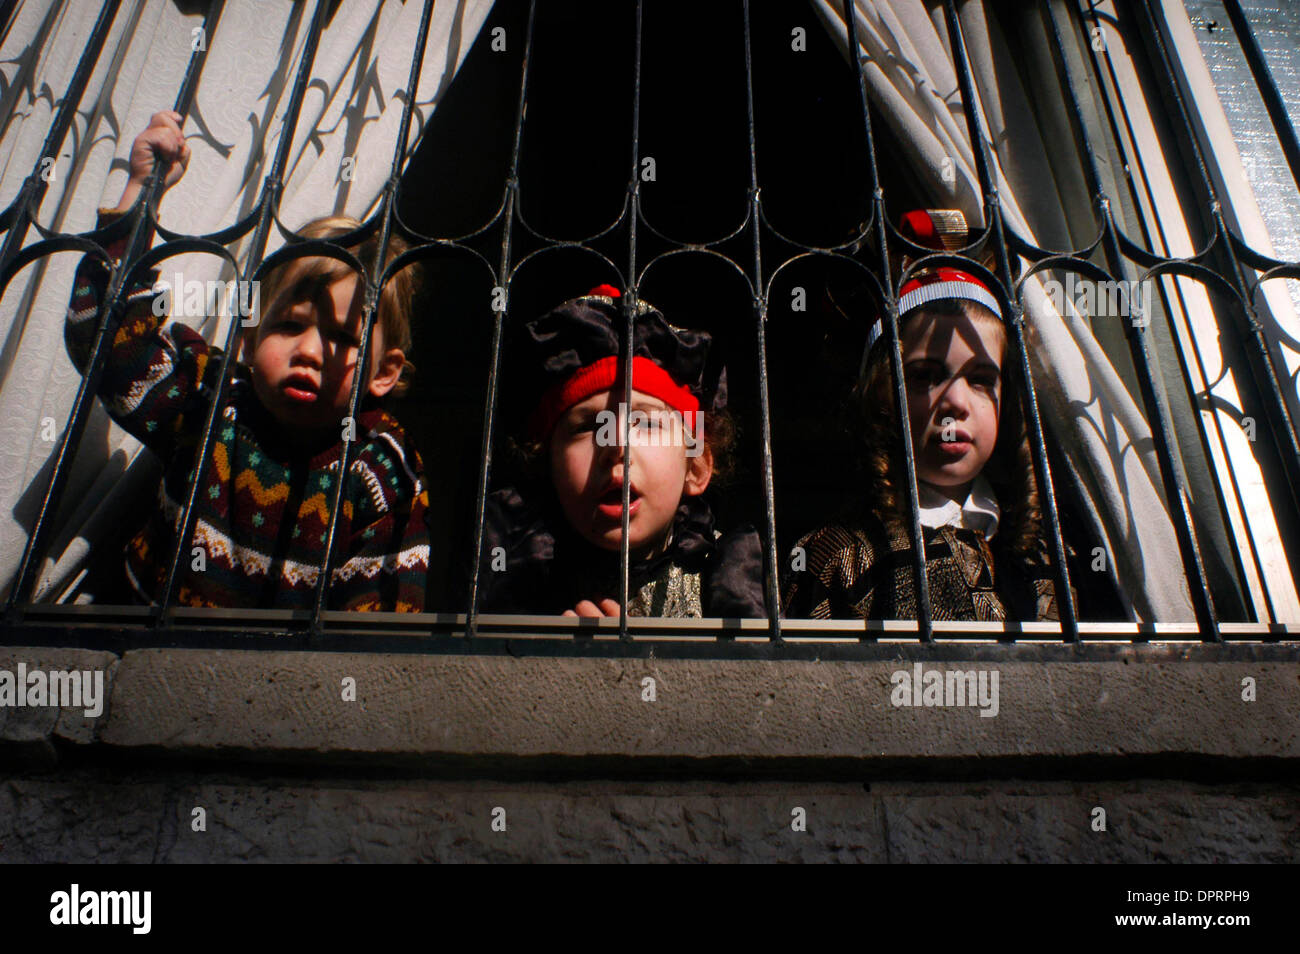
(494, 711)
(29, 733)
(436, 748)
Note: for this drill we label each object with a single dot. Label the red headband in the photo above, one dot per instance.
(647, 377)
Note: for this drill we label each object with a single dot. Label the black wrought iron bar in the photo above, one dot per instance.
(630, 298)
(1110, 236)
(268, 203)
(1015, 324)
(1280, 420)
(369, 312)
(1092, 169)
(498, 327)
(924, 624)
(1113, 243)
(20, 216)
(22, 209)
(1268, 91)
(110, 307)
(7, 9)
(760, 329)
(1262, 368)
(1067, 612)
(1255, 346)
(194, 72)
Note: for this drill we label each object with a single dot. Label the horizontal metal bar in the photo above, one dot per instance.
(567, 628)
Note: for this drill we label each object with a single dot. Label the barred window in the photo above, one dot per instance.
(729, 163)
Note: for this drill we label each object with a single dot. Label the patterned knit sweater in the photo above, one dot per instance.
(262, 511)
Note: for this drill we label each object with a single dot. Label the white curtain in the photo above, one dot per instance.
(351, 109)
(1106, 441)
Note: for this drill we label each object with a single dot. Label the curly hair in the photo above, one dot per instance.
(1010, 468)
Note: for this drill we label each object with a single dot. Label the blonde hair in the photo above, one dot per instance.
(304, 275)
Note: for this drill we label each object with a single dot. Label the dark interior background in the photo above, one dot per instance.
(574, 169)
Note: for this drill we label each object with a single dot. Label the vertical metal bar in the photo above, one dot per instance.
(924, 617)
(194, 72)
(1280, 421)
(35, 186)
(267, 204)
(1163, 434)
(7, 9)
(498, 320)
(629, 315)
(369, 312)
(760, 328)
(137, 245)
(20, 214)
(1015, 322)
(1192, 564)
(1284, 432)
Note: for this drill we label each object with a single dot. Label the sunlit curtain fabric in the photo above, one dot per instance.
(351, 109)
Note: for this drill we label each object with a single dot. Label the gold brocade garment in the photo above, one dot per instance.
(856, 573)
(671, 592)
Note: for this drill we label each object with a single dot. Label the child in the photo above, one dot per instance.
(264, 498)
(985, 559)
(555, 547)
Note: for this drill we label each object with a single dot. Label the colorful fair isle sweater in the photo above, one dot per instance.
(262, 511)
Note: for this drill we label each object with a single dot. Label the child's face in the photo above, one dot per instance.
(588, 471)
(305, 353)
(953, 368)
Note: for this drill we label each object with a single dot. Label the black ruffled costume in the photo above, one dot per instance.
(548, 568)
(533, 561)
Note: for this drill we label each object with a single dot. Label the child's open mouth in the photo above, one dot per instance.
(300, 389)
(611, 502)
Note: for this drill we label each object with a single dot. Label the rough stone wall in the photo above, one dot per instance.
(98, 815)
(505, 758)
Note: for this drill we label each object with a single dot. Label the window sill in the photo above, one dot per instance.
(500, 714)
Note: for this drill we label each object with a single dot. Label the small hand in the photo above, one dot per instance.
(162, 140)
(606, 607)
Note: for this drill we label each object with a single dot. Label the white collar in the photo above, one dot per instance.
(979, 513)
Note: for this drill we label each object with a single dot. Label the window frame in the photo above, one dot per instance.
(169, 622)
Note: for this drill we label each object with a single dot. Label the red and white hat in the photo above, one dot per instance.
(943, 230)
